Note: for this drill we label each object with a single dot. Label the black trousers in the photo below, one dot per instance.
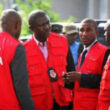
(57, 107)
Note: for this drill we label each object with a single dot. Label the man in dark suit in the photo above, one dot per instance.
(90, 66)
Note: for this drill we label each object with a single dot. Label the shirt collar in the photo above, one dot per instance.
(37, 42)
(89, 47)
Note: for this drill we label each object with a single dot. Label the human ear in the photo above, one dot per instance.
(31, 28)
(97, 32)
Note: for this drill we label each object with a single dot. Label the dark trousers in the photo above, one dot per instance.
(57, 107)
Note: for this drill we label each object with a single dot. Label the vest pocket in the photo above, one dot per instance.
(59, 61)
(34, 66)
(38, 90)
(36, 83)
(92, 65)
(34, 70)
(35, 73)
(36, 80)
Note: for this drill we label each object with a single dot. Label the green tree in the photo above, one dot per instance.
(26, 6)
(1, 8)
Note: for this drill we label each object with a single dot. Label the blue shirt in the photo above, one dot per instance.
(74, 50)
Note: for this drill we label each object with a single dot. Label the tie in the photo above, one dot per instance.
(83, 57)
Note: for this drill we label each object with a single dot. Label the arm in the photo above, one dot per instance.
(90, 80)
(20, 79)
(93, 80)
(70, 62)
(87, 80)
(70, 67)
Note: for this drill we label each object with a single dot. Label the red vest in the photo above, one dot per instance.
(86, 98)
(8, 99)
(41, 88)
(104, 95)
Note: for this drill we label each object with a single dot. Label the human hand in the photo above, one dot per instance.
(72, 76)
(64, 76)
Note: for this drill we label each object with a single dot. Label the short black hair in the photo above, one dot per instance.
(35, 15)
(91, 21)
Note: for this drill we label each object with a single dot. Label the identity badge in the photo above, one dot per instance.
(52, 74)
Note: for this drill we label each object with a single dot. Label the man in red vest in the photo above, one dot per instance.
(14, 87)
(104, 94)
(89, 70)
(47, 55)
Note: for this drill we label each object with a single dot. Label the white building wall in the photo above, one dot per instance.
(107, 9)
(93, 9)
(6, 3)
(75, 8)
(79, 9)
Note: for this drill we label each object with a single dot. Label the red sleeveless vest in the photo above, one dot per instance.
(8, 99)
(104, 94)
(86, 98)
(42, 89)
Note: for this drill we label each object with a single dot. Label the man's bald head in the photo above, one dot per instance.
(107, 32)
(11, 22)
(108, 23)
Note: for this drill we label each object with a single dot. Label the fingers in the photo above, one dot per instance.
(71, 76)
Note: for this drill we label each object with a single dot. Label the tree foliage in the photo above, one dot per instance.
(26, 6)
(1, 8)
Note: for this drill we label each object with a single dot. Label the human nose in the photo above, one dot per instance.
(47, 26)
(84, 33)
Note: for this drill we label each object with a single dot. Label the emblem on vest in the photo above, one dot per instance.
(52, 74)
(1, 61)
